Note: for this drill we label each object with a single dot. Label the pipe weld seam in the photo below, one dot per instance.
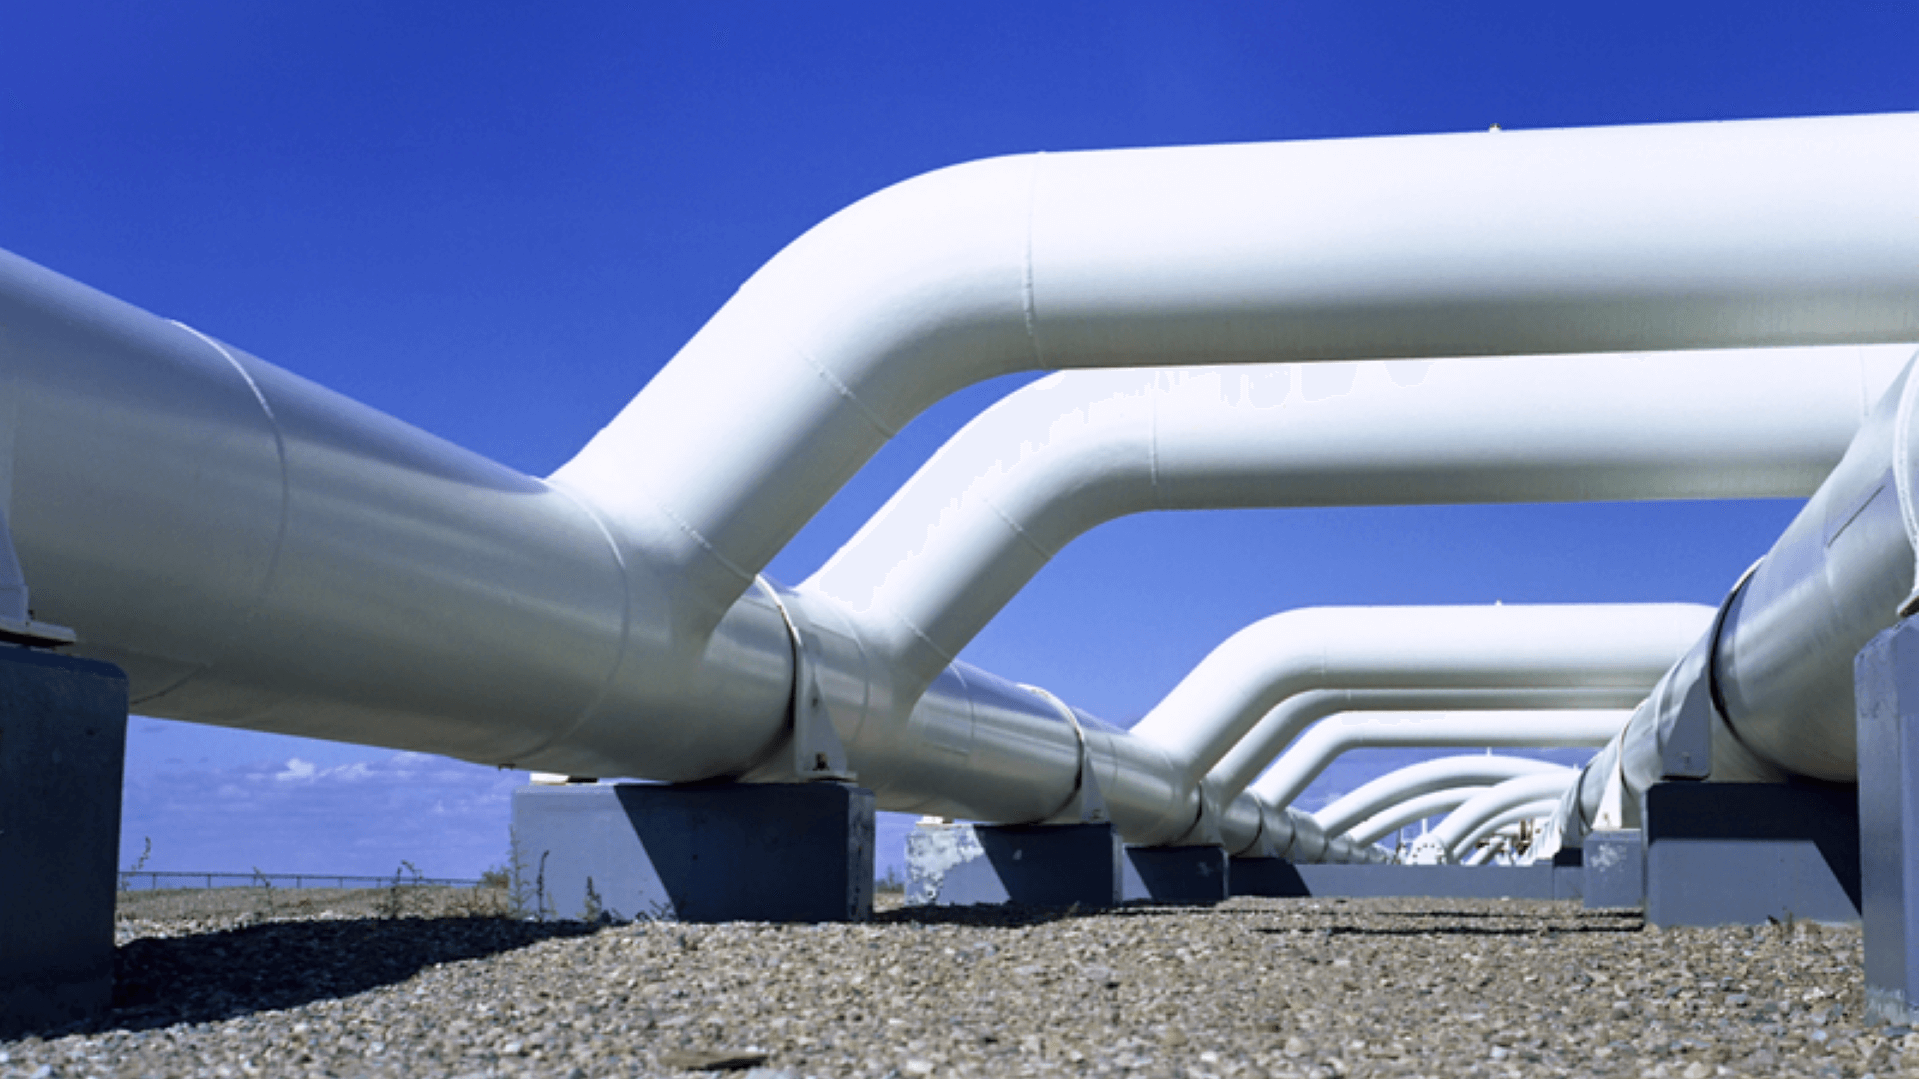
(745, 575)
(1028, 310)
(923, 638)
(626, 624)
(840, 387)
(286, 477)
(1018, 529)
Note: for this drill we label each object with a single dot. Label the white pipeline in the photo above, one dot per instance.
(1378, 826)
(1773, 683)
(259, 552)
(1415, 780)
(1057, 458)
(1445, 842)
(1574, 721)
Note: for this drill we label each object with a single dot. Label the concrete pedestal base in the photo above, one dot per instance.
(1175, 874)
(1886, 691)
(1036, 865)
(1278, 877)
(1569, 873)
(1744, 853)
(63, 738)
(1272, 877)
(1615, 870)
(743, 852)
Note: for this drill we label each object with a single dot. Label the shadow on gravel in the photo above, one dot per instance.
(1006, 916)
(213, 976)
(1430, 930)
(1583, 915)
(1013, 916)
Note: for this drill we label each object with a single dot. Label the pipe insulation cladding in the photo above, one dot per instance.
(1057, 458)
(1426, 777)
(1681, 236)
(1773, 680)
(257, 551)
(1411, 811)
(1532, 795)
(1384, 718)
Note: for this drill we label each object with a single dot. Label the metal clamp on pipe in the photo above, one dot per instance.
(814, 750)
(1086, 806)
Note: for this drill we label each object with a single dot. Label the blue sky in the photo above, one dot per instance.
(496, 221)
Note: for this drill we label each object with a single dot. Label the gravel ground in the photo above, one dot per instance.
(334, 983)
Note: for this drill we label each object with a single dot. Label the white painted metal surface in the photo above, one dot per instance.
(1678, 236)
(1775, 681)
(1414, 780)
(1412, 810)
(1445, 842)
(1507, 823)
(1520, 646)
(1057, 458)
(260, 552)
(1574, 723)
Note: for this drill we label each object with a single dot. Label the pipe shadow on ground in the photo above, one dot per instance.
(159, 981)
(1455, 930)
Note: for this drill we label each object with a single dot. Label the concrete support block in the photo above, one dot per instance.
(1175, 875)
(1886, 691)
(1035, 865)
(63, 738)
(799, 852)
(1569, 873)
(1430, 881)
(1271, 877)
(1743, 853)
(1278, 877)
(1615, 870)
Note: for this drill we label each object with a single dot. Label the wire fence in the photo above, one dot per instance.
(144, 880)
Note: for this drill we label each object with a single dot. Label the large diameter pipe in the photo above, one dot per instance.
(1680, 236)
(1392, 819)
(380, 586)
(258, 551)
(1566, 646)
(1443, 842)
(1506, 818)
(1775, 680)
(1057, 458)
(1423, 778)
(1573, 721)
(1540, 242)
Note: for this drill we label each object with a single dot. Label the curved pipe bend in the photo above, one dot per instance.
(1442, 844)
(1565, 646)
(1520, 243)
(1507, 818)
(1426, 777)
(1057, 458)
(621, 580)
(1535, 718)
(1773, 689)
(1387, 821)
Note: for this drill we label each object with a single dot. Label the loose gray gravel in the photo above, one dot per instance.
(332, 983)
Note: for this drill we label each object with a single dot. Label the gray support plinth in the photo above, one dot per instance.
(1273, 877)
(1569, 873)
(1887, 694)
(1746, 853)
(63, 737)
(799, 852)
(1175, 875)
(1035, 865)
(1615, 870)
(1278, 877)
